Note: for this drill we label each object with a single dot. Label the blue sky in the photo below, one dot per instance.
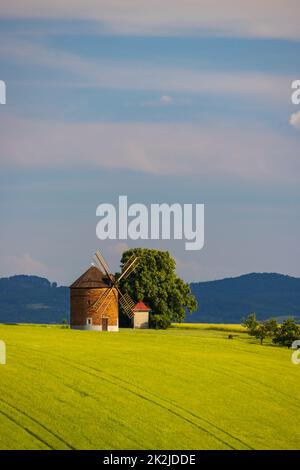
(185, 104)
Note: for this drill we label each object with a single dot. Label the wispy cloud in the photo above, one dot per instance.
(218, 150)
(251, 18)
(141, 75)
(23, 264)
(166, 99)
(295, 120)
(163, 101)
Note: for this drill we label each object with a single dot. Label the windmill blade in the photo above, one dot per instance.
(128, 268)
(97, 304)
(101, 261)
(107, 304)
(127, 304)
(98, 265)
(128, 262)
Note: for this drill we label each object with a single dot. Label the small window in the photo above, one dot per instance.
(89, 321)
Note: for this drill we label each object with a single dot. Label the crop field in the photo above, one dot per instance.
(211, 326)
(184, 388)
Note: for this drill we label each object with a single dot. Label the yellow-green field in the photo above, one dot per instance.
(184, 388)
(211, 326)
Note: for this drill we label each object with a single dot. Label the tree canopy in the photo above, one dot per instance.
(283, 334)
(288, 332)
(155, 282)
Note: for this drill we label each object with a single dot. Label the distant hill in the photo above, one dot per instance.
(33, 299)
(229, 300)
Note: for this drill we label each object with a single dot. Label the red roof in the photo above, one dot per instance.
(141, 307)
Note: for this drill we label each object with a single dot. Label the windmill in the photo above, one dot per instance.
(125, 300)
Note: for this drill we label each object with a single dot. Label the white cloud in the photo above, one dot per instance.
(225, 150)
(251, 18)
(295, 120)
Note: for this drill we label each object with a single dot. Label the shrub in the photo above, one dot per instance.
(261, 330)
(159, 322)
(288, 332)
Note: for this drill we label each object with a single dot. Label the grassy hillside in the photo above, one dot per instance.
(177, 389)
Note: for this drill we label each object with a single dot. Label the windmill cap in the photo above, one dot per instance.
(141, 307)
(92, 278)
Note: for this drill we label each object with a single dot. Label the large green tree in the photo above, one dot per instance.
(156, 283)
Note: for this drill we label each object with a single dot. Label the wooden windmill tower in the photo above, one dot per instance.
(95, 297)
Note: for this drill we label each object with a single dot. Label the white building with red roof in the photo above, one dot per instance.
(140, 317)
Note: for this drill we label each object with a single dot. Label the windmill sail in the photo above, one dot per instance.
(100, 301)
(102, 263)
(127, 304)
(125, 300)
(128, 268)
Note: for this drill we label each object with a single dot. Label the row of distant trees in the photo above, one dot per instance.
(283, 334)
